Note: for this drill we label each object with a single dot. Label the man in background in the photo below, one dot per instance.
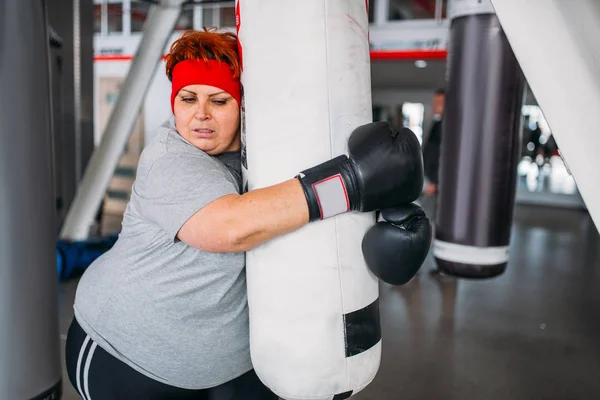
(431, 160)
(432, 146)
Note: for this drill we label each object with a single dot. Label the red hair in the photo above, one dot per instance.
(205, 45)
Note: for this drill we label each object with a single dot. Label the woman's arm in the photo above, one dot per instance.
(236, 223)
(384, 169)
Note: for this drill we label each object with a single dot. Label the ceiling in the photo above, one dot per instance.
(404, 75)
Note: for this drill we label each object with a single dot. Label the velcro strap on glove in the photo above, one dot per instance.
(327, 192)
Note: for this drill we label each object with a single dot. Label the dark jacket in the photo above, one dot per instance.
(431, 152)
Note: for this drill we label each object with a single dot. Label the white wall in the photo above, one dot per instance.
(410, 35)
(157, 106)
(105, 69)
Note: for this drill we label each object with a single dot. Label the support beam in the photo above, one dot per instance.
(560, 57)
(158, 29)
(29, 333)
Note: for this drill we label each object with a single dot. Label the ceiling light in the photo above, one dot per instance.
(420, 63)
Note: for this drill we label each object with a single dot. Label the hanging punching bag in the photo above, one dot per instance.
(314, 315)
(480, 145)
(29, 333)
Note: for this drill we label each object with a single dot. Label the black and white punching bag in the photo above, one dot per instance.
(29, 334)
(314, 314)
(480, 145)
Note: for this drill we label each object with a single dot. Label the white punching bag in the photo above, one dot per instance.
(314, 311)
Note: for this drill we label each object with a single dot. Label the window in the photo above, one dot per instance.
(413, 118)
(400, 10)
(139, 13)
(186, 20)
(97, 18)
(115, 18)
(207, 17)
(444, 10)
(220, 17)
(227, 18)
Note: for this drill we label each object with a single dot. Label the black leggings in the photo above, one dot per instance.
(96, 375)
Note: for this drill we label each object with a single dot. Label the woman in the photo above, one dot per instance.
(163, 314)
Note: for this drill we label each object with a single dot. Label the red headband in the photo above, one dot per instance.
(199, 72)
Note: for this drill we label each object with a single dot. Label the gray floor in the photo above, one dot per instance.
(532, 333)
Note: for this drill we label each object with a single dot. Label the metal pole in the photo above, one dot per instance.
(77, 87)
(104, 18)
(158, 29)
(438, 10)
(29, 333)
(381, 12)
(126, 21)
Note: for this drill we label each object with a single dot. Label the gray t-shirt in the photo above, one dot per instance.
(172, 312)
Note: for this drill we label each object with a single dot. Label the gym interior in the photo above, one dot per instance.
(527, 331)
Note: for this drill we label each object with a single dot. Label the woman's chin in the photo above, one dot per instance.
(213, 147)
(207, 145)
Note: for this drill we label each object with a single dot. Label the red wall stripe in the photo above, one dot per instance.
(375, 55)
(409, 55)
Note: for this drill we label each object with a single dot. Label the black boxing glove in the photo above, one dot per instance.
(384, 168)
(396, 247)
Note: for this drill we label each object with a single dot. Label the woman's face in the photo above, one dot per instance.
(208, 118)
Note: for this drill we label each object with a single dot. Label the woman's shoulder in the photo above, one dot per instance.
(170, 156)
(168, 146)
